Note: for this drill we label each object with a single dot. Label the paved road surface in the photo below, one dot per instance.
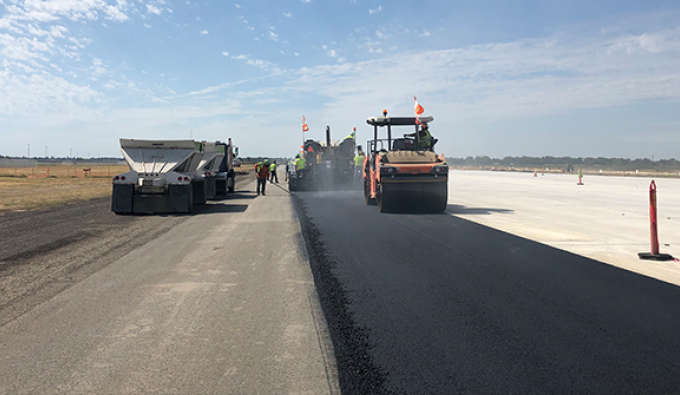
(222, 303)
(437, 304)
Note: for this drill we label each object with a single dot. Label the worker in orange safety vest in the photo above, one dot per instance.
(262, 173)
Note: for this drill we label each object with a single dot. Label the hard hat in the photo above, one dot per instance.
(297, 155)
(266, 161)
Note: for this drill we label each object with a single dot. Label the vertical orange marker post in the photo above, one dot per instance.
(653, 230)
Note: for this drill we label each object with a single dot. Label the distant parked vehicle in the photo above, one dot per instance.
(237, 163)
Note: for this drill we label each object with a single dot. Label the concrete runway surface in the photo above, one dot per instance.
(606, 219)
(222, 303)
(421, 304)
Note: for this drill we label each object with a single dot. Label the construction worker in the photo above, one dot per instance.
(358, 165)
(262, 173)
(424, 138)
(272, 170)
(300, 164)
(351, 136)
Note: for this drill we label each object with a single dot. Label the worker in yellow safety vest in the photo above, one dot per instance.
(358, 165)
(424, 138)
(299, 163)
(272, 171)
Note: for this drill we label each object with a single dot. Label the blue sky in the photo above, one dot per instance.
(501, 78)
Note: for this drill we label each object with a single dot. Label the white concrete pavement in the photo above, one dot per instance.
(606, 219)
(222, 304)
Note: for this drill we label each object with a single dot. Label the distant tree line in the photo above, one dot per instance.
(257, 159)
(569, 164)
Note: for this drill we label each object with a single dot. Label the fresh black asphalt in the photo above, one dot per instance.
(434, 304)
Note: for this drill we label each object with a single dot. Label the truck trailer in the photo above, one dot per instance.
(162, 177)
(225, 175)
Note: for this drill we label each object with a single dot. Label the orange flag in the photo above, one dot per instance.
(304, 124)
(418, 109)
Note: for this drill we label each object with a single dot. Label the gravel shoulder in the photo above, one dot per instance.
(46, 251)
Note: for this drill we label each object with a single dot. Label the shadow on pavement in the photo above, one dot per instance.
(219, 208)
(459, 209)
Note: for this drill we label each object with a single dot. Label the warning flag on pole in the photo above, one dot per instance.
(418, 109)
(304, 124)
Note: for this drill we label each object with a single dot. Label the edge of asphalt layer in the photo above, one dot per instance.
(318, 316)
(357, 371)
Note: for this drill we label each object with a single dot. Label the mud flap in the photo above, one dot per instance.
(180, 199)
(200, 191)
(121, 198)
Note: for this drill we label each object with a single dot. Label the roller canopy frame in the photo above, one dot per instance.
(397, 121)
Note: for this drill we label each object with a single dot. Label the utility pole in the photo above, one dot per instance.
(45, 152)
(29, 150)
(70, 153)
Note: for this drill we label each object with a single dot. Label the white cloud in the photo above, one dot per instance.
(115, 14)
(40, 94)
(225, 53)
(425, 33)
(204, 32)
(263, 64)
(152, 9)
(332, 53)
(375, 11)
(147, 25)
(306, 1)
(273, 36)
(250, 28)
(98, 66)
(237, 6)
(288, 14)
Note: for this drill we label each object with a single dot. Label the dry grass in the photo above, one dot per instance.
(26, 188)
(31, 193)
(62, 171)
